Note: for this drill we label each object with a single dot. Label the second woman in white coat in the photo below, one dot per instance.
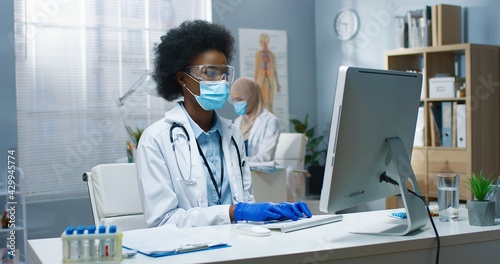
(260, 128)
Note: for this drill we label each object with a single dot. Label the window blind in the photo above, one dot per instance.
(74, 59)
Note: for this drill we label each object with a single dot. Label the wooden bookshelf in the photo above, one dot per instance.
(479, 65)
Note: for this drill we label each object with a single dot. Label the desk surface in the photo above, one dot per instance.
(328, 243)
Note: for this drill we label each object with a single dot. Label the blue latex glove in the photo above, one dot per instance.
(295, 211)
(257, 211)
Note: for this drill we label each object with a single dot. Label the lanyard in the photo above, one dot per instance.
(214, 182)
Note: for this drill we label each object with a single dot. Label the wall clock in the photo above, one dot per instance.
(346, 24)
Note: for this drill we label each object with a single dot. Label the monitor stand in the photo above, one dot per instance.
(417, 215)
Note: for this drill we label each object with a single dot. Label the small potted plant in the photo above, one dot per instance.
(134, 135)
(481, 211)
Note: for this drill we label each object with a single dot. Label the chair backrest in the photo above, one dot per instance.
(291, 150)
(114, 196)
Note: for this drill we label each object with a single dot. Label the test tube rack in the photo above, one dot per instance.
(88, 246)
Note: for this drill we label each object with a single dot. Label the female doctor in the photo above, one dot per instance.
(191, 165)
(260, 128)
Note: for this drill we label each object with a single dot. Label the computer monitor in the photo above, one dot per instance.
(372, 132)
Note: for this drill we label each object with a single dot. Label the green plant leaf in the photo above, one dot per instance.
(135, 134)
(480, 186)
(314, 142)
(299, 127)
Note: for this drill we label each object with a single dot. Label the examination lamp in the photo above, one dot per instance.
(145, 82)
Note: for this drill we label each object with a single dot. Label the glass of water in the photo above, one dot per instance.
(448, 186)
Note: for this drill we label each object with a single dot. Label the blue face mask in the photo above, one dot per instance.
(213, 94)
(240, 107)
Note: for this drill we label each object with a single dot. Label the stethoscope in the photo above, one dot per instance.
(176, 125)
(189, 180)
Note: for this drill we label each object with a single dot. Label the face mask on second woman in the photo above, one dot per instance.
(240, 107)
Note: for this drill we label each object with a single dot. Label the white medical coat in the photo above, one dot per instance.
(263, 136)
(169, 195)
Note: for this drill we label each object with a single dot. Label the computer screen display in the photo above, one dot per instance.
(372, 131)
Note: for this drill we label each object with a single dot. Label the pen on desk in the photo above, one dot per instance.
(191, 247)
(128, 253)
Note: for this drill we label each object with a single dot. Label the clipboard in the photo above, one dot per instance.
(166, 240)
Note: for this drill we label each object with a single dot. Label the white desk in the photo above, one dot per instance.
(460, 243)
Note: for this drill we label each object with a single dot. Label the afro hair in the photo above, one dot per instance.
(179, 46)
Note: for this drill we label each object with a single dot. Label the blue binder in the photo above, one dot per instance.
(447, 125)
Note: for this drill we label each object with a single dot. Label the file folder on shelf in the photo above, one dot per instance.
(461, 128)
(435, 124)
(447, 119)
(454, 126)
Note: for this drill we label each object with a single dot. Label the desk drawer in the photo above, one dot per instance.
(448, 160)
(419, 159)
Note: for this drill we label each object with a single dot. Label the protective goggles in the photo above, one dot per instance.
(211, 72)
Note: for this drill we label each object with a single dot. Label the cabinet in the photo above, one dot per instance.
(13, 238)
(479, 66)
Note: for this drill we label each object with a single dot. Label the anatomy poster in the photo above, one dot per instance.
(263, 57)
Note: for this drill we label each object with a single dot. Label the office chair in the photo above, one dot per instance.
(291, 151)
(287, 184)
(114, 196)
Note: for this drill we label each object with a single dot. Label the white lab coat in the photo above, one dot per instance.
(167, 198)
(263, 136)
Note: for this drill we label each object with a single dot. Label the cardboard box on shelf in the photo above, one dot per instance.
(444, 87)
